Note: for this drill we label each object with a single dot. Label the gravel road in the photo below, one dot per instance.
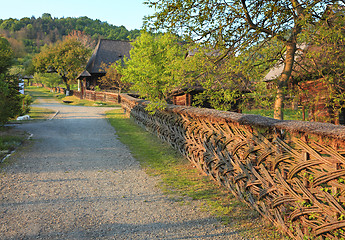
(77, 181)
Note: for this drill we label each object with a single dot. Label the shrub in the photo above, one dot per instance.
(10, 98)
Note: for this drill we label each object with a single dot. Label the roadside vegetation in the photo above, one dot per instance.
(10, 139)
(184, 183)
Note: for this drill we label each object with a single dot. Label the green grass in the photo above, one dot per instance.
(38, 92)
(84, 102)
(10, 139)
(40, 113)
(10, 142)
(183, 183)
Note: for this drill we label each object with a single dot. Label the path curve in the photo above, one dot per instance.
(77, 181)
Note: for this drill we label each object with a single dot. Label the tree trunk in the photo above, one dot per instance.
(282, 82)
(65, 80)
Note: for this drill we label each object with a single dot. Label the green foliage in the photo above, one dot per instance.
(27, 101)
(33, 32)
(10, 98)
(97, 89)
(68, 58)
(152, 67)
(324, 62)
(6, 55)
(48, 79)
(222, 82)
(240, 27)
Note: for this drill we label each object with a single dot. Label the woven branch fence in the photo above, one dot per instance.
(291, 172)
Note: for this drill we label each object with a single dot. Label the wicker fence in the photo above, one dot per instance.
(292, 172)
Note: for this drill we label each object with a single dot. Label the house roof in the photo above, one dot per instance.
(277, 69)
(28, 77)
(85, 73)
(107, 51)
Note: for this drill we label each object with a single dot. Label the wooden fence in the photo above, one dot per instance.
(98, 96)
(90, 95)
(291, 172)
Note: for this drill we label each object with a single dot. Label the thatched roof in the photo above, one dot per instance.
(107, 51)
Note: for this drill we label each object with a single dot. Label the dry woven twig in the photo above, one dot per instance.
(291, 172)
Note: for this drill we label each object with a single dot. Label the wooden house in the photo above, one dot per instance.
(186, 96)
(308, 80)
(310, 73)
(106, 52)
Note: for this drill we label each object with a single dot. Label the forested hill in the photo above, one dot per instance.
(27, 35)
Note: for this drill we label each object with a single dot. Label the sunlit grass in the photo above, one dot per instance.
(39, 92)
(73, 100)
(40, 113)
(183, 183)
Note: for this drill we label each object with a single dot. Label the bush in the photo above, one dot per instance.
(27, 101)
(10, 99)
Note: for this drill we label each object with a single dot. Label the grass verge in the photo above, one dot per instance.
(10, 139)
(183, 183)
(37, 113)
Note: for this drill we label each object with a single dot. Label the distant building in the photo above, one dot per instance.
(106, 51)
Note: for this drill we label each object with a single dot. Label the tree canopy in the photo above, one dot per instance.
(241, 26)
(67, 58)
(10, 98)
(153, 66)
(6, 55)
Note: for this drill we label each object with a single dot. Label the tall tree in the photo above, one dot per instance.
(239, 25)
(10, 98)
(152, 67)
(320, 71)
(67, 58)
(6, 55)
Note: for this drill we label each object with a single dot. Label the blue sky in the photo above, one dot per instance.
(128, 13)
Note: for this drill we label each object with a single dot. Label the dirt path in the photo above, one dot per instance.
(77, 181)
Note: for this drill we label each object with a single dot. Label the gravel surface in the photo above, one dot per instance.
(77, 181)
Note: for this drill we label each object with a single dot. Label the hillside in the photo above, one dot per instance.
(27, 35)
